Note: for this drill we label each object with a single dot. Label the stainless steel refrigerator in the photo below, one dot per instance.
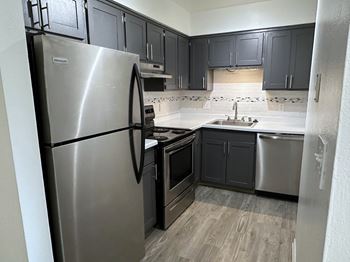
(91, 116)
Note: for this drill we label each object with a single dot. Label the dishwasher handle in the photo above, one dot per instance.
(283, 137)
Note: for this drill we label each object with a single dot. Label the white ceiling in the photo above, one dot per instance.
(203, 5)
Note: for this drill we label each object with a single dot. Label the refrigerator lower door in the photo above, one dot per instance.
(95, 202)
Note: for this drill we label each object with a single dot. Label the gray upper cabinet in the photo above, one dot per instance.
(287, 59)
(136, 36)
(221, 51)
(31, 12)
(277, 59)
(106, 27)
(301, 56)
(201, 77)
(155, 42)
(183, 62)
(249, 49)
(171, 60)
(64, 17)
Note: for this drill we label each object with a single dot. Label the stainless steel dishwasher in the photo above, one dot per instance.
(278, 163)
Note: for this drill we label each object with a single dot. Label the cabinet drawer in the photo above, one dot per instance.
(149, 157)
(237, 136)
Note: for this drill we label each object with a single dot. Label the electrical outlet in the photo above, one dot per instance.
(206, 105)
(280, 107)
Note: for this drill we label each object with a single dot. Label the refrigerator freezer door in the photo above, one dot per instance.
(95, 202)
(83, 89)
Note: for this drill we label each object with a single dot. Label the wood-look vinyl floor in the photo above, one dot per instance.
(223, 225)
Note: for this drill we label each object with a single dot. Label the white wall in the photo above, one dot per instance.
(253, 16)
(315, 204)
(164, 11)
(19, 118)
(338, 228)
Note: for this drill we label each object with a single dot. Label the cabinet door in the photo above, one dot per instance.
(240, 165)
(171, 60)
(301, 56)
(199, 63)
(249, 49)
(66, 17)
(106, 27)
(149, 197)
(221, 51)
(198, 157)
(277, 60)
(214, 160)
(155, 40)
(135, 32)
(31, 13)
(184, 61)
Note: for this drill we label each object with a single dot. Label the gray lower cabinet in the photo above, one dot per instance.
(249, 49)
(106, 26)
(171, 61)
(198, 156)
(136, 36)
(184, 62)
(221, 51)
(287, 59)
(228, 158)
(149, 192)
(240, 164)
(201, 76)
(155, 41)
(64, 17)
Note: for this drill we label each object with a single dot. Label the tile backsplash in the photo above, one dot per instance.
(243, 86)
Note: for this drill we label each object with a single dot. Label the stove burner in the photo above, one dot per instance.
(160, 130)
(178, 132)
(158, 138)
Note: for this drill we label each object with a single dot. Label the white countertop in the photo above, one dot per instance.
(266, 124)
(150, 143)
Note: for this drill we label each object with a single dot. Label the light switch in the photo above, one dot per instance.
(320, 157)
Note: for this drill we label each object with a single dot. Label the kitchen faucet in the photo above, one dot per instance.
(235, 108)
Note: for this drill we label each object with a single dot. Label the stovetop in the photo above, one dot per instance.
(165, 136)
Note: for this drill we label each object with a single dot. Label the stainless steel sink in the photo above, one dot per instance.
(232, 123)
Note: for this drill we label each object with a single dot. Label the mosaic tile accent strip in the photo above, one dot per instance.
(247, 99)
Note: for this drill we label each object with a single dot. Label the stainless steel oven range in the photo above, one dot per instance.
(175, 178)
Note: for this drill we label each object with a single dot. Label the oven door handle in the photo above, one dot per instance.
(179, 146)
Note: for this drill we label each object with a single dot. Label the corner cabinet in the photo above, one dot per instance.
(228, 158)
(287, 59)
(64, 17)
(106, 26)
(184, 62)
(201, 76)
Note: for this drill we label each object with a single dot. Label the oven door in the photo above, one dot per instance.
(178, 168)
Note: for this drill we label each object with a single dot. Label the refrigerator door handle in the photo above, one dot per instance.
(138, 169)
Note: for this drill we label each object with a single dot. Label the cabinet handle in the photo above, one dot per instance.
(230, 58)
(147, 52)
(286, 82)
(179, 85)
(47, 15)
(30, 7)
(291, 82)
(203, 80)
(156, 172)
(151, 52)
(225, 148)
(181, 82)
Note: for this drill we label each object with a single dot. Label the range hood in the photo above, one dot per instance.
(153, 71)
